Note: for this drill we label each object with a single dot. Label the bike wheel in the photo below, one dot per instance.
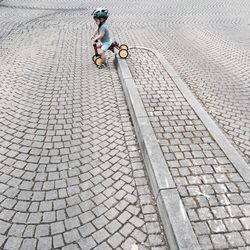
(98, 61)
(123, 53)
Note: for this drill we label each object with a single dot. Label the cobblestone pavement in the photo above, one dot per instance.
(207, 42)
(71, 176)
(216, 198)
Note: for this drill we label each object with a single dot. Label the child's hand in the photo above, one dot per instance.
(94, 41)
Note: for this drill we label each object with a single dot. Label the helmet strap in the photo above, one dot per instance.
(101, 23)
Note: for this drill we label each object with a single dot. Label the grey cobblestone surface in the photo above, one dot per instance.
(67, 144)
(208, 45)
(213, 193)
(71, 176)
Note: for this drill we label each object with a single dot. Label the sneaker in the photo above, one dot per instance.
(103, 65)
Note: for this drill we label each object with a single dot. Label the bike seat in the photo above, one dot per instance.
(113, 44)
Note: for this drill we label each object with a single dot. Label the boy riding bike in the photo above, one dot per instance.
(101, 35)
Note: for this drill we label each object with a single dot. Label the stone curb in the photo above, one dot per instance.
(177, 227)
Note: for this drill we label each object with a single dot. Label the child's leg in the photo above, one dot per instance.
(103, 55)
(103, 49)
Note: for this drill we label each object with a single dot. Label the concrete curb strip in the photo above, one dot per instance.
(155, 161)
(173, 213)
(177, 227)
(145, 134)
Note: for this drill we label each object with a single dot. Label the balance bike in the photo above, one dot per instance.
(121, 49)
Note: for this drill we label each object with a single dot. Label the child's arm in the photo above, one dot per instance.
(98, 37)
(94, 34)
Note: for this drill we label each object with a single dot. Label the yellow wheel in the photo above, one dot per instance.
(123, 46)
(123, 53)
(98, 61)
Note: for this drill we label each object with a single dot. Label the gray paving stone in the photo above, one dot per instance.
(20, 218)
(49, 216)
(141, 236)
(219, 241)
(71, 236)
(4, 226)
(57, 227)
(29, 231)
(87, 243)
(156, 239)
(137, 222)
(34, 218)
(45, 206)
(58, 241)
(205, 213)
(8, 203)
(115, 240)
(205, 242)
(16, 230)
(245, 209)
(13, 243)
(101, 235)
(73, 211)
(6, 214)
(234, 211)
(29, 244)
(217, 226)
(86, 230)
(219, 212)
(245, 222)
(201, 228)
(60, 215)
(42, 230)
(113, 226)
(235, 239)
(128, 243)
(72, 223)
(86, 217)
(101, 209)
(100, 222)
(127, 229)
(44, 243)
(245, 235)
(235, 199)
(112, 213)
(124, 217)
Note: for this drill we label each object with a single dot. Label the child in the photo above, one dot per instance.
(102, 33)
